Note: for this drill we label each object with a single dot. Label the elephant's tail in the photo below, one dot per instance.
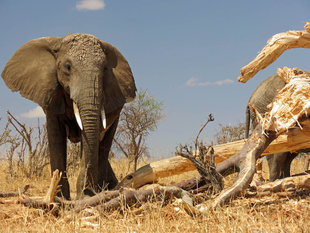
(247, 121)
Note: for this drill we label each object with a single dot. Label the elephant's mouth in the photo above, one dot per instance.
(78, 117)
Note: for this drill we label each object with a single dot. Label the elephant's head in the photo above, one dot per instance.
(85, 67)
(78, 71)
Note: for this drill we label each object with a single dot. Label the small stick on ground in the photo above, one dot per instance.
(53, 188)
(48, 203)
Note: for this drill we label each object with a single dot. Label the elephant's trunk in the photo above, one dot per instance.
(89, 106)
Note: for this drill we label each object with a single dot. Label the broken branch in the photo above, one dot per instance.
(276, 45)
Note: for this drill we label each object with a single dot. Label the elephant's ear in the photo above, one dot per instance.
(32, 72)
(119, 84)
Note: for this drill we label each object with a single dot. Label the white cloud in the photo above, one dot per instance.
(194, 82)
(90, 5)
(34, 113)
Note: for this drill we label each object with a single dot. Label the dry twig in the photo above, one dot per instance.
(205, 165)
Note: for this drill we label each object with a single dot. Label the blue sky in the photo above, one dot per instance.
(187, 54)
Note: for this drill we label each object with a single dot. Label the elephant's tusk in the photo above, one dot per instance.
(77, 115)
(104, 120)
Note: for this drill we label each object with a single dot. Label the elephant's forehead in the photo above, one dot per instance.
(84, 48)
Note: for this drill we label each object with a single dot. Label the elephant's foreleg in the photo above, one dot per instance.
(275, 164)
(106, 176)
(58, 150)
(280, 164)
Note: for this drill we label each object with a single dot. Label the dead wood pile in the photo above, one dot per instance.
(290, 105)
(284, 116)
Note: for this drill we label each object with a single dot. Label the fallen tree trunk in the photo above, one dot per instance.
(108, 200)
(294, 140)
(129, 197)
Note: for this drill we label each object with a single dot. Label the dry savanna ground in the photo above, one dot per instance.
(268, 214)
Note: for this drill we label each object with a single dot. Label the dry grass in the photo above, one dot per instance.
(270, 214)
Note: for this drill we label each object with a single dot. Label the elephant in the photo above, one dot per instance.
(279, 164)
(81, 83)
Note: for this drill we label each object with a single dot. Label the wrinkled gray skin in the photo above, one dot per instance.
(56, 72)
(279, 164)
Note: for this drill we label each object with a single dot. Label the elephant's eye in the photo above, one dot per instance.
(67, 67)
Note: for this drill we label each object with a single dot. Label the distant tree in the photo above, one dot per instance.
(137, 120)
(230, 133)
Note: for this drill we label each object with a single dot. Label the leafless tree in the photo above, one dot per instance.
(27, 148)
(137, 120)
(4, 136)
(229, 133)
(12, 143)
(32, 146)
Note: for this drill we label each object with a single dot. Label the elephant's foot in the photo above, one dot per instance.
(89, 192)
(107, 179)
(65, 188)
(109, 184)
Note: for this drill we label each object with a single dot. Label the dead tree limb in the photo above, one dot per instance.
(107, 200)
(48, 203)
(287, 184)
(276, 45)
(206, 169)
(210, 118)
(15, 194)
(54, 188)
(244, 161)
(204, 162)
(129, 197)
